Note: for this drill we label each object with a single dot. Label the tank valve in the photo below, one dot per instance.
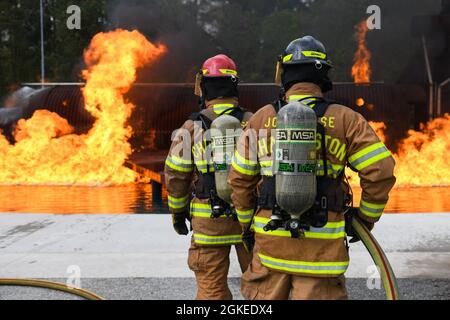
(295, 227)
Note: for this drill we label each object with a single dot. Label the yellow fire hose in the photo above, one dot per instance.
(379, 257)
(52, 286)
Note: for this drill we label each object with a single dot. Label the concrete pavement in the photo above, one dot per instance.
(140, 257)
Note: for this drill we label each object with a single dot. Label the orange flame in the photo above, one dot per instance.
(361, 70)
(380, 129)
(47, 152)
(421, 159)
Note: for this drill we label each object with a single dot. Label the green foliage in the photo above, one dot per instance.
(19, 42)
(253, 32)
(65, 47)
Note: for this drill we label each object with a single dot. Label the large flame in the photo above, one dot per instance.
(361, 70)
(422, 158)
(46, 151)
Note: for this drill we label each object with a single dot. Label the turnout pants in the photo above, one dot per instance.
(260, 283)
(210, 265)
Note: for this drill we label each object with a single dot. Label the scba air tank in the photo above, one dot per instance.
(224, 132)
(295, 158)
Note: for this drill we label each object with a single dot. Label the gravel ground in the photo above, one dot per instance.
(184, 289)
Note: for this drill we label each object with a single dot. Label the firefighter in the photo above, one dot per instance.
(189, 166)
(311, 263)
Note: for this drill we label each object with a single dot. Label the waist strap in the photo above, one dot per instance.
(203, 186)
(332, 189)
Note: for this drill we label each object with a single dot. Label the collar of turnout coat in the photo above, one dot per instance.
(304, 89)
(233, 100)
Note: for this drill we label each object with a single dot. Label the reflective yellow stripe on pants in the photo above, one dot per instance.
(304, 267)
(201, 210)
(331, 231)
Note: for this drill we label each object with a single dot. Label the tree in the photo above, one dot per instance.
(65, 47)
(253, 32)
(19, 46)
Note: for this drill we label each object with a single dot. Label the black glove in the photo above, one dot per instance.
(349, 216)
(248, 240)
(179, 222)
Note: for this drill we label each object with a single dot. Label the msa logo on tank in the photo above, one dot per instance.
(223, 141)
(296, 135)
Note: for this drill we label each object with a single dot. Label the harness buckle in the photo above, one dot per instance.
(324, 203)
(220, 208)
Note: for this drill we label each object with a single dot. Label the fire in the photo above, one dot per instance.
(380, 129)
(361, 70)
(47, 151)
(421, 159)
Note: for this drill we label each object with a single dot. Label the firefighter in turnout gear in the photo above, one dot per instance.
(190, 176)
(304, 255)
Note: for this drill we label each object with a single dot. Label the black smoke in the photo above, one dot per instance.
(174, 26)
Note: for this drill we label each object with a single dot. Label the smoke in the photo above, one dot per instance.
(431, 25)
(171, 23)
(19, 98)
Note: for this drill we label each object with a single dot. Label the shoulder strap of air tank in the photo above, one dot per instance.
(238, 113)
(278, 104)
(199, 116)
(321, 106)
(202, 185)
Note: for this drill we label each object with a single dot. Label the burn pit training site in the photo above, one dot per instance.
(349, 192)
